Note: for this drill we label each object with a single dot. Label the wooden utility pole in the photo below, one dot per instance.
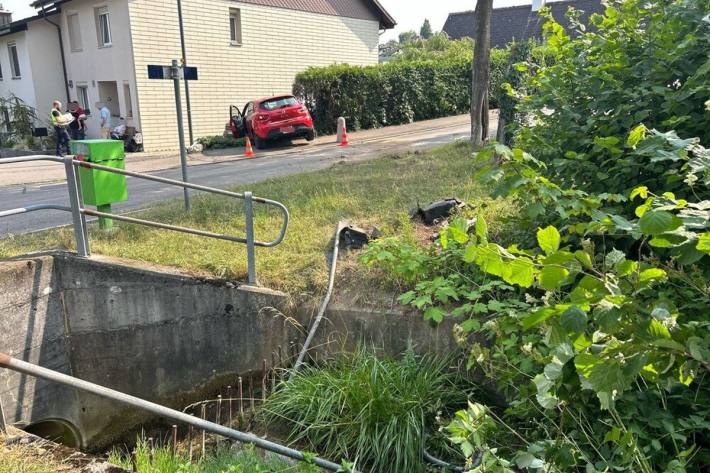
(481, 72)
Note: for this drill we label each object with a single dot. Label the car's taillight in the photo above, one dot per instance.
(262, 117)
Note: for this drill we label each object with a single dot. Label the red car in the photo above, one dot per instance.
(270, 119)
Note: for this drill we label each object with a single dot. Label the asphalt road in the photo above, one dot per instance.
(237, 172)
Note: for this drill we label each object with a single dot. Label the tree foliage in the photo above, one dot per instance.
(594, 304)
(425, 31)
(428, 79)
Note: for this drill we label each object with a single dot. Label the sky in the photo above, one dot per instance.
(409, 14)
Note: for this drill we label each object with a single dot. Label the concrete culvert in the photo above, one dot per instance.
(56, 430)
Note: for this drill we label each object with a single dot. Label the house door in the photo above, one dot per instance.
(108, 95)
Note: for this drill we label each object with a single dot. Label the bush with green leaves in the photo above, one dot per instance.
(394, 93)
(375, 412)
(596, 303)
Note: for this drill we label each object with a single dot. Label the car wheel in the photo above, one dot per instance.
(259, 143)
(311, 135)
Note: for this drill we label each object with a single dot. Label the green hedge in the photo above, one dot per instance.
(391, 94)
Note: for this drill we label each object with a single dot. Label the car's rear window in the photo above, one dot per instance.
(280, 102)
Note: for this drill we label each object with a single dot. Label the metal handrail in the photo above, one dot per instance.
(79, 212)
(36, 371)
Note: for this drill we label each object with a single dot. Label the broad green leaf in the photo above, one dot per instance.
(574, 320)
(435, 314)
(652, 274)
(613, 258)
(585, 363)
(521, 272)
(704, 243)
(548, 239)
(656, 330)
(470, 254)
(553, 370)
(584, 258)
(655, 222)
(538, 317)
(458, 234)
(637, 135)
(641, 191)
(482, 229)
(551, 277)
(626, 268)
(470, 325)
(444, 239)
(528, 460)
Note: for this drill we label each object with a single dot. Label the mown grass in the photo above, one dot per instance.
(27, 459)
(373, 193)
(225, 458)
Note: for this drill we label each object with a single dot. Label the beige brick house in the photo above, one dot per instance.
(243, 50)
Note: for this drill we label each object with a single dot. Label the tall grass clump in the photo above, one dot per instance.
(224, 458)
(376, 412)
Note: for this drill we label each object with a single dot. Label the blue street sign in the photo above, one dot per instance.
(165, 72)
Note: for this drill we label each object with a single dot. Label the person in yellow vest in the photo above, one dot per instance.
(60, 123)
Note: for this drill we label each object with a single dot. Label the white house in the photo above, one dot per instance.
(243, 50)
(30, 63)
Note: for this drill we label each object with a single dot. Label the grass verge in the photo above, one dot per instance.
(373, 193)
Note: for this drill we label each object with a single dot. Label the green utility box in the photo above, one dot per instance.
(101, 188)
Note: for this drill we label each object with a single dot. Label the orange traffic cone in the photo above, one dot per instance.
(250, 151)
(344, 142)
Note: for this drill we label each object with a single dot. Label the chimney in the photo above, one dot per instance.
(5, 16)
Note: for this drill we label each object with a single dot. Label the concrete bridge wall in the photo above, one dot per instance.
(158, 334)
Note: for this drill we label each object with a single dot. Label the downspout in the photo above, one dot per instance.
(61, 49)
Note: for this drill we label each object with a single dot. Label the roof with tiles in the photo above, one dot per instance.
(519, 22)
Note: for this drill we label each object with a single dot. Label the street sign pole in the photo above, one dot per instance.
(175, 72)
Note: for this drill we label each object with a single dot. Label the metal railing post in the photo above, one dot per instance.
(3, 425)
(251, 252)
(80, 232)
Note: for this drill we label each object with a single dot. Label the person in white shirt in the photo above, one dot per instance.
(105, 117)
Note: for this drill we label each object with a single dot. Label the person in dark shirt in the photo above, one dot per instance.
(77, 128)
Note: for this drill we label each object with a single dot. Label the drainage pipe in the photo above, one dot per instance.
(50, 375)
(324, 305)
(61, 50)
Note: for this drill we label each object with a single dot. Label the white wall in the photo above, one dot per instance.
(44, 51)
(23, 87)
(277, 44)
(92, 64)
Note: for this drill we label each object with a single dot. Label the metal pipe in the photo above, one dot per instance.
(33, 208)
(181, 133)
(164, 226)
(211, 190)
(324, 305)
(251, 251)
(82, 244)
(50, 375)
(61, 49)
(184, 63)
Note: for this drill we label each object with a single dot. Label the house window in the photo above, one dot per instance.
(0, 71)
(103, 27)
(235, 26)
(82, 92)
(74, 32)
(14, 61)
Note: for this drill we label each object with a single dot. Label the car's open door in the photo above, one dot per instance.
(236, 122)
